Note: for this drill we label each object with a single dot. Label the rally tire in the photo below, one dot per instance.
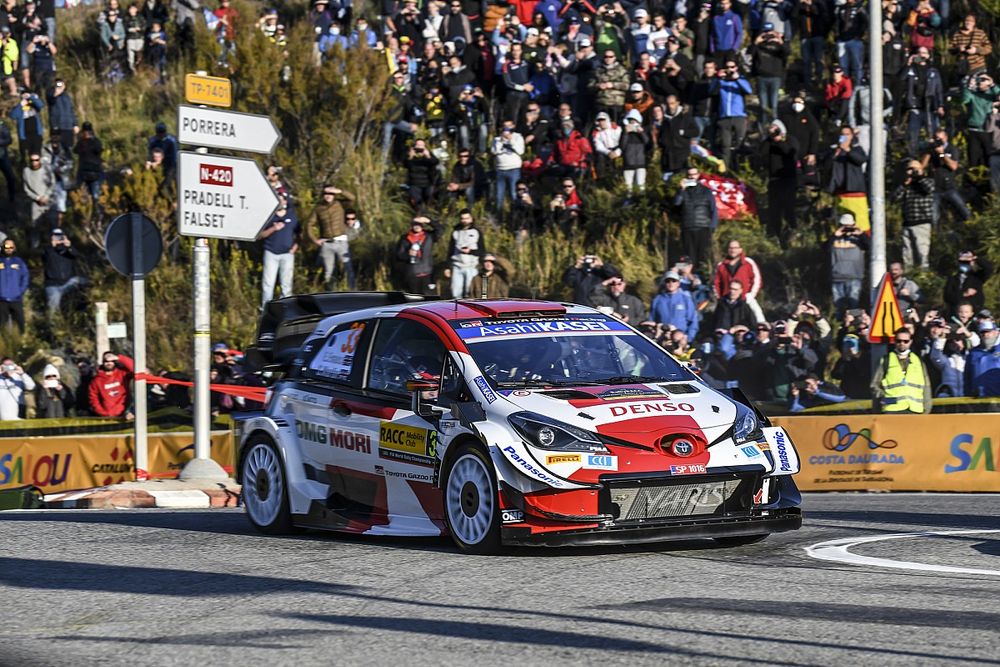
(265, 487)
(740, 540)
(471, 502)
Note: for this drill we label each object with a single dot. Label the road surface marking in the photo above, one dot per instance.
(838, 551)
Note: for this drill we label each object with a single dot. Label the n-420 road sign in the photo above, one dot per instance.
(222, 197)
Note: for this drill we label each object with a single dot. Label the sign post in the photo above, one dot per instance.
(223, 198)
(886, 318)
(134, 246)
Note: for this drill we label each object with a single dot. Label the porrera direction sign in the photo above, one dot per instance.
(232, 130)
(222, 197)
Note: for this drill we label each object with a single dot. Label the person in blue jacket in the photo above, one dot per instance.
(731, 128)
(727, 31)
(982, 368)
(14, 280)
(675, 307)
(27, 114)
(814, 392)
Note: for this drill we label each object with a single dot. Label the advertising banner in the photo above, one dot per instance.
(896, 452)
(64, 463)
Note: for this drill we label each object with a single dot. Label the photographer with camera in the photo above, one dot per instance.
(922, 97)
(846, 249)
(14, 382)
(943, 162)
(421, 174)
(732, 90)
(42, 62)
(966, 284)
(916, 194)
(415, 255)
(779, 155)
(811, 392)
(587, 272)
(971, 45)
(61, 274)
(508, 147)
(53, 399)
(979, 96)
(770, 58)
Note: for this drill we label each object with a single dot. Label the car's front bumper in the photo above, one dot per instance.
(776, 521)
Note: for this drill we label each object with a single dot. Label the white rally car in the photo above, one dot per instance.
(500, 422)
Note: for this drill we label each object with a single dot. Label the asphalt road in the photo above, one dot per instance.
(148, 587)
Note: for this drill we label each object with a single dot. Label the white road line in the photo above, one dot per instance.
(838, 552)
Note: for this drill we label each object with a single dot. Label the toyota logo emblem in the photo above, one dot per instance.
(682, 447)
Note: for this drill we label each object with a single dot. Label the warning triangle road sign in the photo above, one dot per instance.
(886, 316)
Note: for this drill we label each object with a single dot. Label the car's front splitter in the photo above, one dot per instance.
(776, 521)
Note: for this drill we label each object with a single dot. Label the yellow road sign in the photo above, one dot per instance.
(214, 91)
(886, 316)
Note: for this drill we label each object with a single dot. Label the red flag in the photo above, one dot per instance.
(733, 197)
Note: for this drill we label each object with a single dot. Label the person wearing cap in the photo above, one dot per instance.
(27, 116)
(639, 33)
(610, 297)
(328, 229)
(493, 280)
(14, 281)
(900, 384)
(166, 142)
(609, 85)
(62, 114)
(606, 140)
(982, 367)
(109, 392)
(572, 151)
(966, 284)
(853, 369)
(321, 18)
(837, 95)
(90, 168)
(639, 99)
(415, 255)
(674, 307)
(916, 196)
(113, 36)
(770, 58)
(779, 155)
(507, 149)
(847, 249)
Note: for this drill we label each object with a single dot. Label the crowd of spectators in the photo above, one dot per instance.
(522, 109)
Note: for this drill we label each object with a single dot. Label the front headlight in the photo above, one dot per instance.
(546, 433)
(747, 427)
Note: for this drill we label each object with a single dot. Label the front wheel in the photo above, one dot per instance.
(265, 492)
(472, 507)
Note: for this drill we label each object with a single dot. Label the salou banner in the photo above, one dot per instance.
(733, 197)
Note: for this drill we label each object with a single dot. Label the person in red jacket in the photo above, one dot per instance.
(109, 392)
(737, 266)
(838, 95)
(572, 151)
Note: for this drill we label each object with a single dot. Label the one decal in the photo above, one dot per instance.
(601, 462)
(563, 458)
(619, 393)
(785, 458)
(530, 469)
(428, 477)
(511, 516)
(320, 434)
(520, 392)
(485, 388)
(682, 447)
(688, 469)
(407, 443)
(750, 451)
(650, 408)
(591, 326)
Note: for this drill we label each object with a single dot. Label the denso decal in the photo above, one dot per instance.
(407, 443)
(527, 467)
(601, 462)
(650, 408)
(318, 433)
(484, 387)
(688, 469)
(563, 458)
(511, 516)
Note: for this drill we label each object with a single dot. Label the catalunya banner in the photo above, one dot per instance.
(733, 197)
(944, 452)
(65, 463)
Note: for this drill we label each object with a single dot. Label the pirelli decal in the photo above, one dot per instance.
(407, 443)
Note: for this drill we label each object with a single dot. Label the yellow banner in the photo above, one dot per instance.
(947, 452)
(64, 463)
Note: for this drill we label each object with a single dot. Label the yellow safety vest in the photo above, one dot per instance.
(903, 391)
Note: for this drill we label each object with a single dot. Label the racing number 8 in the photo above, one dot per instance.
(352, 339)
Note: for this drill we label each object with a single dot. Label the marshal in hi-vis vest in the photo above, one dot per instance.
(903, 391)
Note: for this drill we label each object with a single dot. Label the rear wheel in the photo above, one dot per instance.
(265, 491)
(472, 508)
(740, 540)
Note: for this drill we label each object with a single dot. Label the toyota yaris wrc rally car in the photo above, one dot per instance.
(500, 422)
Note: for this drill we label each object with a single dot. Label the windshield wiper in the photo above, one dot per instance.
(635, 379)
(510, 384)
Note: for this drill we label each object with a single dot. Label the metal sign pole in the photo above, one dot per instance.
(876, 165)
(139, 345)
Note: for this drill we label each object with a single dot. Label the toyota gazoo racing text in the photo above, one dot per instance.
(501, 422)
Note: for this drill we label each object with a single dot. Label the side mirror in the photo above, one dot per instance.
(417, 403)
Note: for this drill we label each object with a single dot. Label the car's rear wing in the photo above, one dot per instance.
(287, 322)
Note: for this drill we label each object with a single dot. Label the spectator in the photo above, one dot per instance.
(943, 163)
(402, 114)
(61, 275)
(168, 144)
(982, 368)
(847, 248)
(156, 50)
(853, 369)
(41, 53)
(586, 273)
(5, 166)
(606, 140)
(978, 95)
(813, 392)
(566, 208)
(737, 266)
(847, 177)
(732, 313)
(90, 171)
(62, 115)
(14, 280)
(421, 174)
(838, 96)
(39, 188)
(281, 241)
(572, 151)
(53, 399)
(329, 228)
(971, 45)
(674, 307)
(677, 133)
(727, 31)
(850, 25)
(732, 89)
(967, 284)
(415, 253)
(780, 157)
(135, 36)
(467, 177)
(14, 382)
(610, 298)
(917, 197)
(507, 150)
(699, 218)
(113, 38)
(109, 390)
(465, 249)
(814, 27)
(526, 213)
(609, 85)
(923, 20)
(900, 383)
(635, 149)
(907, 292)
(493, 281)
(9, 57)
(922, 97)
(770, 55)
(185, 13)
(27, 115)
(948, 355)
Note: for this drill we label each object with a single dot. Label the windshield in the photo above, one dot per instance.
(566, 351)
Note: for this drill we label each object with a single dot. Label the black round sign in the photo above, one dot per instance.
(133, 244)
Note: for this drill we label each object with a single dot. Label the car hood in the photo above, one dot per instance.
(637, 413)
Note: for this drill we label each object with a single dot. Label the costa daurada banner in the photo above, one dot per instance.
(943, 452)
(64, 463)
